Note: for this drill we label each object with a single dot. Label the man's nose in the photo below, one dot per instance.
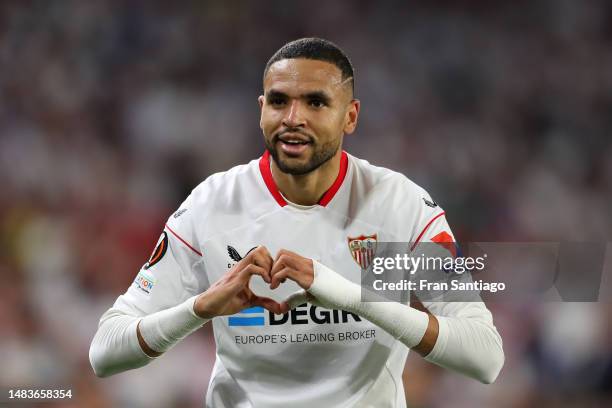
(293, 115)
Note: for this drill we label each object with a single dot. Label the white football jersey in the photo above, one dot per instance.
(309, 357)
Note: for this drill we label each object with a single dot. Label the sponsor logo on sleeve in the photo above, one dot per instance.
(429, 203)
(159, 251)
(144, 281)
(179, 212)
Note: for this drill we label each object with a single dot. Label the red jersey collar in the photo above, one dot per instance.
(266, 173)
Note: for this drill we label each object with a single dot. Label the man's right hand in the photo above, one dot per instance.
(231, 293)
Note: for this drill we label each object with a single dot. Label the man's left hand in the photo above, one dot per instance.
(293, 266)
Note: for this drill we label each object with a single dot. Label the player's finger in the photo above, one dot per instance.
(267, 303)
(263, 249)
(279, 254)
(284, 307)
(251, 270)
(276, 267)
(280, 277)
(266, 254)
(282, 261)
(284, 254)
(261, 257)
(243, 263)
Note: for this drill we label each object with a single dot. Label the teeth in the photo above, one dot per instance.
(293, 142)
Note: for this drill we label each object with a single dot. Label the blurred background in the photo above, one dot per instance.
(112, 111)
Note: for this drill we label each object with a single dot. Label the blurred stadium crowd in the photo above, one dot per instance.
(112, 111)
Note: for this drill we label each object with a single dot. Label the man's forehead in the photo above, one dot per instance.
(303, 73)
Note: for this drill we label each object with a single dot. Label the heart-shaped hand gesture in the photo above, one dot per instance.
(231, 293)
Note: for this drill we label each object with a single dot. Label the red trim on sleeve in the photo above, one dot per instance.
(425, 229)
(266, 174)
(183, 241)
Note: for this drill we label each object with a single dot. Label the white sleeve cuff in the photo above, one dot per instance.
(164, 329)
(403, 322)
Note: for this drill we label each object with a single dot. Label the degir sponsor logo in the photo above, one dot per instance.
(303, 314)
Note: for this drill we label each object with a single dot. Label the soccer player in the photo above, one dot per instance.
(270, 253)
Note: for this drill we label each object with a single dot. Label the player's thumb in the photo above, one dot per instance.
(300, 297)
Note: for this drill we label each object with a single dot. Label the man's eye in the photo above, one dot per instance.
(317, 103)
(276, 101)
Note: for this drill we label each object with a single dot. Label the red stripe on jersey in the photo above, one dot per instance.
(266, 173)
(425, 229)
(183, 241)
(329, 194)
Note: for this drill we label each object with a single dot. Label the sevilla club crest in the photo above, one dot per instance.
(363, 249)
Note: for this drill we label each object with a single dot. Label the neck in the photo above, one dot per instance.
(308, 189)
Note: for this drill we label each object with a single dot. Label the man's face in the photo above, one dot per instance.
(305, 111)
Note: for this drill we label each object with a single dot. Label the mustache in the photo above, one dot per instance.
(278, 135)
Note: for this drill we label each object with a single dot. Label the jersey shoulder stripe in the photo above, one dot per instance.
(183, 241)
(425, 230)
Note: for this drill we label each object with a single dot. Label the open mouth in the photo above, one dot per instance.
(295, 142)
(294, 145)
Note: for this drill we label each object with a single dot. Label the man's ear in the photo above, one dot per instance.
(260, 100)
(352, 114)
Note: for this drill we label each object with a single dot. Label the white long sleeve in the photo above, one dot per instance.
(115, 346)
(467, 341)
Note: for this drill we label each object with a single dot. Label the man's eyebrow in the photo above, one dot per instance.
(321, 95)
(275, 94)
